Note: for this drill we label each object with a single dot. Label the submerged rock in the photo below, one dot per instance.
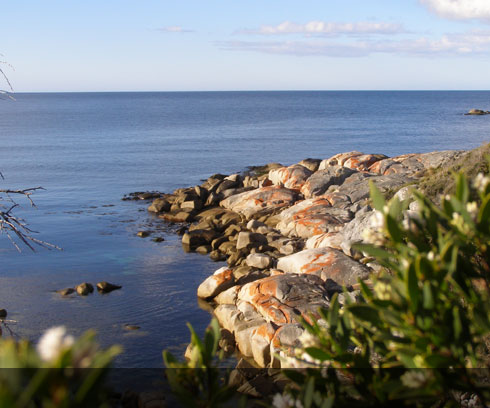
(66, 291)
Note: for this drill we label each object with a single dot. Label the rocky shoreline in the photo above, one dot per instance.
(287, 235)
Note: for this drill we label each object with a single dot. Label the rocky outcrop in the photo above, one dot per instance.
(292, 177)
(477, 112)
(261, 201)
(287, 235)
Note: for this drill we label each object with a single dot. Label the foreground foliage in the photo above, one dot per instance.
(199, 382)
(417, 338)
(60, 372)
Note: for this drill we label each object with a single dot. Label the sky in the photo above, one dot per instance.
(212, 45)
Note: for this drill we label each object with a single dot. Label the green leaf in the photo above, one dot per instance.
(378, 253)
(365, 313)
(413, 287)
(462, 189)
(328, 402)
(376, 196)
(457, 325)
(484, 215)
(394, 230)
(310, 387)
(318, 354)
(428, 301)
(333, 313)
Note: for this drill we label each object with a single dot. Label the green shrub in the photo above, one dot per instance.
(199, 382)
(60, 372)
(417, 337)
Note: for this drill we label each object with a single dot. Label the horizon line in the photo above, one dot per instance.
(256, 90)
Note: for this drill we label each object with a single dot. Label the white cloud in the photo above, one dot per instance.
(460, 9)
(174, 29)
(326, 28)
(471, 43)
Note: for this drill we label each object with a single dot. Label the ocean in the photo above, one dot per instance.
(87, 150)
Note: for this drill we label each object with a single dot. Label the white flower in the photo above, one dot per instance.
(481, 181)
(430, 256)
(472, 209)
(308, 340)
(377, 220)
(282, 401)
(53, 342)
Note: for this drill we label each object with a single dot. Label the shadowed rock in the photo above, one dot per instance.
(318, 183)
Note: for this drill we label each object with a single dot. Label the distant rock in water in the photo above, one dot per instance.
(84, 289)
(477, 112)
(66, 292)
(106, 287)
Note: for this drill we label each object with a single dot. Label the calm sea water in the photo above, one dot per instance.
(89, 149)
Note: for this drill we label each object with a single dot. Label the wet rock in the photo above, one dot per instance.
(310, 164)
(261, 201)
(226, 184)
(158, 239)
(3, 313)
(193, 204)
(260, 261)
(181, 231)
(143, 234)
(217, 256)
(221, 280)
(159, 205)
(106, 287)
(227, 341)
(84, 289)
(324, 263)
(292, 177)
(66, 291)
(227, 247)
(128, 326)
(213, 199)
(319, 182)
(180, 216)
(203, 249)
(149, 195)
(250, 239)
(198, 237)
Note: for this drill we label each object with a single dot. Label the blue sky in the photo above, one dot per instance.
(186, 45)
